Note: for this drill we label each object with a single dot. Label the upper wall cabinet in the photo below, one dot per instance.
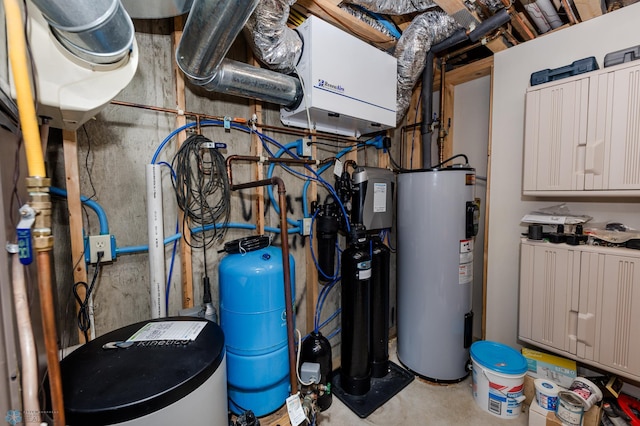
(582, 135)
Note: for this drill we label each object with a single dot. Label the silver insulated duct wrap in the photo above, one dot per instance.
(394, 7)
(411, 51)
(274, 44)
(97, 31)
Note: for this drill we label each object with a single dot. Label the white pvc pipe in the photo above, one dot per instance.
(155, 225)
(28, 353)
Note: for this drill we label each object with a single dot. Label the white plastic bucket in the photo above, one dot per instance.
(498, 378)
(546, 394)
(570, 408)
(587, 391)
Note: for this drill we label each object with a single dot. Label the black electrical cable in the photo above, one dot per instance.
(84, 319)
(403, 170)
(202, 189)
(466, 160)
(251, 243)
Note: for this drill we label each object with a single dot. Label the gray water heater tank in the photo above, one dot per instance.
(437, 220)
(153, 382)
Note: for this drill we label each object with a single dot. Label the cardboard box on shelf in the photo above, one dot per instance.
(538, 416)
(540, 365)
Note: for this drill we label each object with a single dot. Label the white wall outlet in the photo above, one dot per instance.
(99, 243)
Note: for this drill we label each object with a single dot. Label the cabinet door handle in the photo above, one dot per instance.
(586, 328)
(594, 157)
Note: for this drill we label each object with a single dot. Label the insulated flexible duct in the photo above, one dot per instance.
(274, 44)
(411, 52)
(394, 7)
(98, 31)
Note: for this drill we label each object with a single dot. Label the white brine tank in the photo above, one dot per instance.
(437, 222)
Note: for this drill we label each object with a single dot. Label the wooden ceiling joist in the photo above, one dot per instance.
(330, 12)
(588, 9)
(464, 17)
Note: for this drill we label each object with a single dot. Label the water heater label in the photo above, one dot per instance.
(379, 197)
(465, 273)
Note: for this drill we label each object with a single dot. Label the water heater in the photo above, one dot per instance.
(350, 86)
(437, 222)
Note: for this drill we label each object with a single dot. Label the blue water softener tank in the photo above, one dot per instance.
(253, 318)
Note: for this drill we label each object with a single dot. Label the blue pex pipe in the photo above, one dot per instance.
(102, 216)
(169, 240)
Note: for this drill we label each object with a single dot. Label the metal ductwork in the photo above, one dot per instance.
(156, 9)
(240, 79)
(97, 31)
(211, 28)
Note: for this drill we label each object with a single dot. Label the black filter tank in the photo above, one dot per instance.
(381, 256)
(355, 371)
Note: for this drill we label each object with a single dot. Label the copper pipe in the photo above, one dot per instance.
(50, 335)
(284, 236)
(255, 159)
(508, 4)
(196, 115)
(200, 116)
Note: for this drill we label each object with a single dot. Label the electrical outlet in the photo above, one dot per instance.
(304, 147)
(100, 243)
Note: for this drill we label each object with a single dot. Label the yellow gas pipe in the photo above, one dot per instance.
(38, 187)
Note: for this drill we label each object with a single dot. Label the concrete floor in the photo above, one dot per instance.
(422, 403)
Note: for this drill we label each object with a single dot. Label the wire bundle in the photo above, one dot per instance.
(202, 188)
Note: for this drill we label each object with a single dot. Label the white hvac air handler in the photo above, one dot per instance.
(350, 86)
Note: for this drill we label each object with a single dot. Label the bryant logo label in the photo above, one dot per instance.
(333, 87)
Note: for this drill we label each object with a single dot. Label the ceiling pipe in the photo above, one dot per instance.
(208, 34)
(485, 27)
(97, 31)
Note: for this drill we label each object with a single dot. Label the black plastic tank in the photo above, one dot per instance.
(127, 377)
(381, 256)
(355, 371)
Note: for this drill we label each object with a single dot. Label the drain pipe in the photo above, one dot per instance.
(211, 28)
(155, 228)
(459, 36)
(28, 353)
(284, 236)
(97, 31)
